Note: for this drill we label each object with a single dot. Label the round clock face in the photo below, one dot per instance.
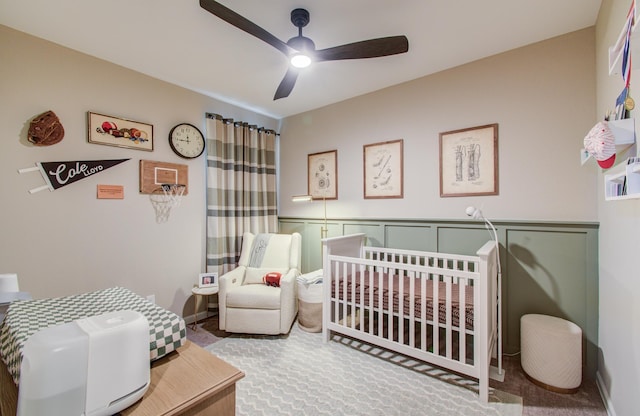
(186, 141)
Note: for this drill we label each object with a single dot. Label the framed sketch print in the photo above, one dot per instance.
(208, 280)
(469, 161)
(383, 170)
(115, 131)
(322, 175)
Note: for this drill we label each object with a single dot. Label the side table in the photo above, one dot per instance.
(200, 292)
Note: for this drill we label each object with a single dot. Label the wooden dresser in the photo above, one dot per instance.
(189, 381)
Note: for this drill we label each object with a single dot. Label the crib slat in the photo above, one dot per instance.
(449, 324)
(371, 300)
(412, 309)
(462, 321)
(361, 304)
(390, 325)
(338, 292)
(380, 307)
(436, 313)
(352, 298)
(423, 311)
(401, 276)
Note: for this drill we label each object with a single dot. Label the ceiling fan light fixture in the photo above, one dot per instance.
(300, 60)
(300, 50)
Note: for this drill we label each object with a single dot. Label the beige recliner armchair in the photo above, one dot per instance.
(246, 303)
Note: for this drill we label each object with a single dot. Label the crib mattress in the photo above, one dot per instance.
(167, 331)
(351, 294)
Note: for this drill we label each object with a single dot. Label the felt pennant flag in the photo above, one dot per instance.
(59, 174)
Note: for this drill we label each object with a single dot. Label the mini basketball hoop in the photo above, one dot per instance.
(165, 197)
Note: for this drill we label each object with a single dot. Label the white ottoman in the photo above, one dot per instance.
(551, 352)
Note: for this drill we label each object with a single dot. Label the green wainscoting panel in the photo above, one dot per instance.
(547, 274)
(411, 237)
(458, 240)
(547, 267)
(293, 227)
(374, 232)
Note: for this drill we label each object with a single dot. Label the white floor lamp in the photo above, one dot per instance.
(475, 213)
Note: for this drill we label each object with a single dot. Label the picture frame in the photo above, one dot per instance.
(384, 169)
(119, 132)
(208, 280)
(322, 175)
(469, 161)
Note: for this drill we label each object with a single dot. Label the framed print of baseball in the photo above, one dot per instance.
(469, 161)
(384, 170)
(120, 132)
(322, 175)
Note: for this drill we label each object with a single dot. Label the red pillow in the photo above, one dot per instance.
(272, 279)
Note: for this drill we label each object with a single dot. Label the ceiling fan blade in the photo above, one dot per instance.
(371, 48)
(244, 24)
(287, 83)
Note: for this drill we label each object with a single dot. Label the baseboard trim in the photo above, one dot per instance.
(604, 395)
(190, 319)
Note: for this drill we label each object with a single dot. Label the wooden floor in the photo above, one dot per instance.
(537, 401)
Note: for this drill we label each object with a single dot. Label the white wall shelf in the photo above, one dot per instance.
(624, 131)
(624, 184)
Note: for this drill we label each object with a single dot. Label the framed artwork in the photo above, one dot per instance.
(115, 131)
(469, 161)
(384, 170)
(208, 280)
(322, 175)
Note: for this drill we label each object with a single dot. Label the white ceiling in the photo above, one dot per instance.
(179, 42)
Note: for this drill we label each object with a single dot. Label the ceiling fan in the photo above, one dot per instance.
(301, 50)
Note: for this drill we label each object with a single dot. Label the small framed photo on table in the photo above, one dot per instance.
(208, 280)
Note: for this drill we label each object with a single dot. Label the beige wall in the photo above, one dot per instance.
(66, 242)
(542, 96)
(619, 364)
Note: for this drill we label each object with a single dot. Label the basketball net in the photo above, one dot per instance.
(165, 197)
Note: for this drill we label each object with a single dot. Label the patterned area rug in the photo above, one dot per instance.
(298, 374)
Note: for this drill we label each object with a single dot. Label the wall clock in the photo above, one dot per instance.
(186, 140)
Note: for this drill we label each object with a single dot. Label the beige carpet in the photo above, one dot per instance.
(298, 374)
(536, 400)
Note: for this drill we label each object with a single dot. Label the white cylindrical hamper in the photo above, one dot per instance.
(551, 352)
(310, 307)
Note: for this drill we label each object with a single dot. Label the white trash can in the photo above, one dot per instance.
(310, 302)
(551, 352)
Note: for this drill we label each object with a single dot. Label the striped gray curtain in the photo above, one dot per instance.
(241, 187)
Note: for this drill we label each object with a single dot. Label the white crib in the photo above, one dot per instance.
(388, 297)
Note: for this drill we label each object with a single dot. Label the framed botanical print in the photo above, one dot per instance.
(384, 170)
(322, 175)
(469, 161)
